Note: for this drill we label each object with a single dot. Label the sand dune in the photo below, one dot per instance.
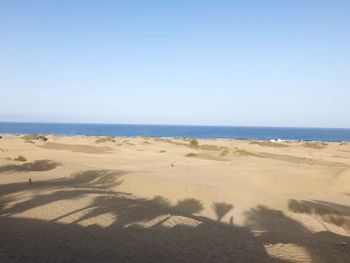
(125, 200)
(269, 144)
(76, 147)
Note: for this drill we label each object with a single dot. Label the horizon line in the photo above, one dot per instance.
(187, 125)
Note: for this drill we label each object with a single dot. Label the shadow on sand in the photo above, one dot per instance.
(36, 166)
(329, 212)
(277, 228)
(144, 230)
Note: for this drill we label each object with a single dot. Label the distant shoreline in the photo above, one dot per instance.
(169, 138)
(177, 131)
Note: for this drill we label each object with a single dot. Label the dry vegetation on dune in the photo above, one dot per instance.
(128, 143)
(315, 145)
(269, 144)
(194, 143)
(211, 147)
(224, 152)
(20, 158)
(33, 137)
(187, 142)
(105, 139)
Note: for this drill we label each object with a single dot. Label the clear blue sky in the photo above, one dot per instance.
(255, 63)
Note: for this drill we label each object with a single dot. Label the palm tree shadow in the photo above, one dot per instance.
(328, 212)
(127, 241)
(143, 229)
(90, 182)
(147, 230)
(189, 206)
(277, 228)
(37, 166)
(221, 209)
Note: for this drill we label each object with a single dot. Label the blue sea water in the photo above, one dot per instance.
(258, 133)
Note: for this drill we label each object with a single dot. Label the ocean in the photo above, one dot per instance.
(227, 132)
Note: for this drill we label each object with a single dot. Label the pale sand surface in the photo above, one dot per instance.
(122, 201)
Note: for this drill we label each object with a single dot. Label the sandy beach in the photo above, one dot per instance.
(102, 199)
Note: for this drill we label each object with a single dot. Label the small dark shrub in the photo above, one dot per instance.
(33, 137)
(105, 139)
(224, 152)
(21, 158)
(194, 143)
